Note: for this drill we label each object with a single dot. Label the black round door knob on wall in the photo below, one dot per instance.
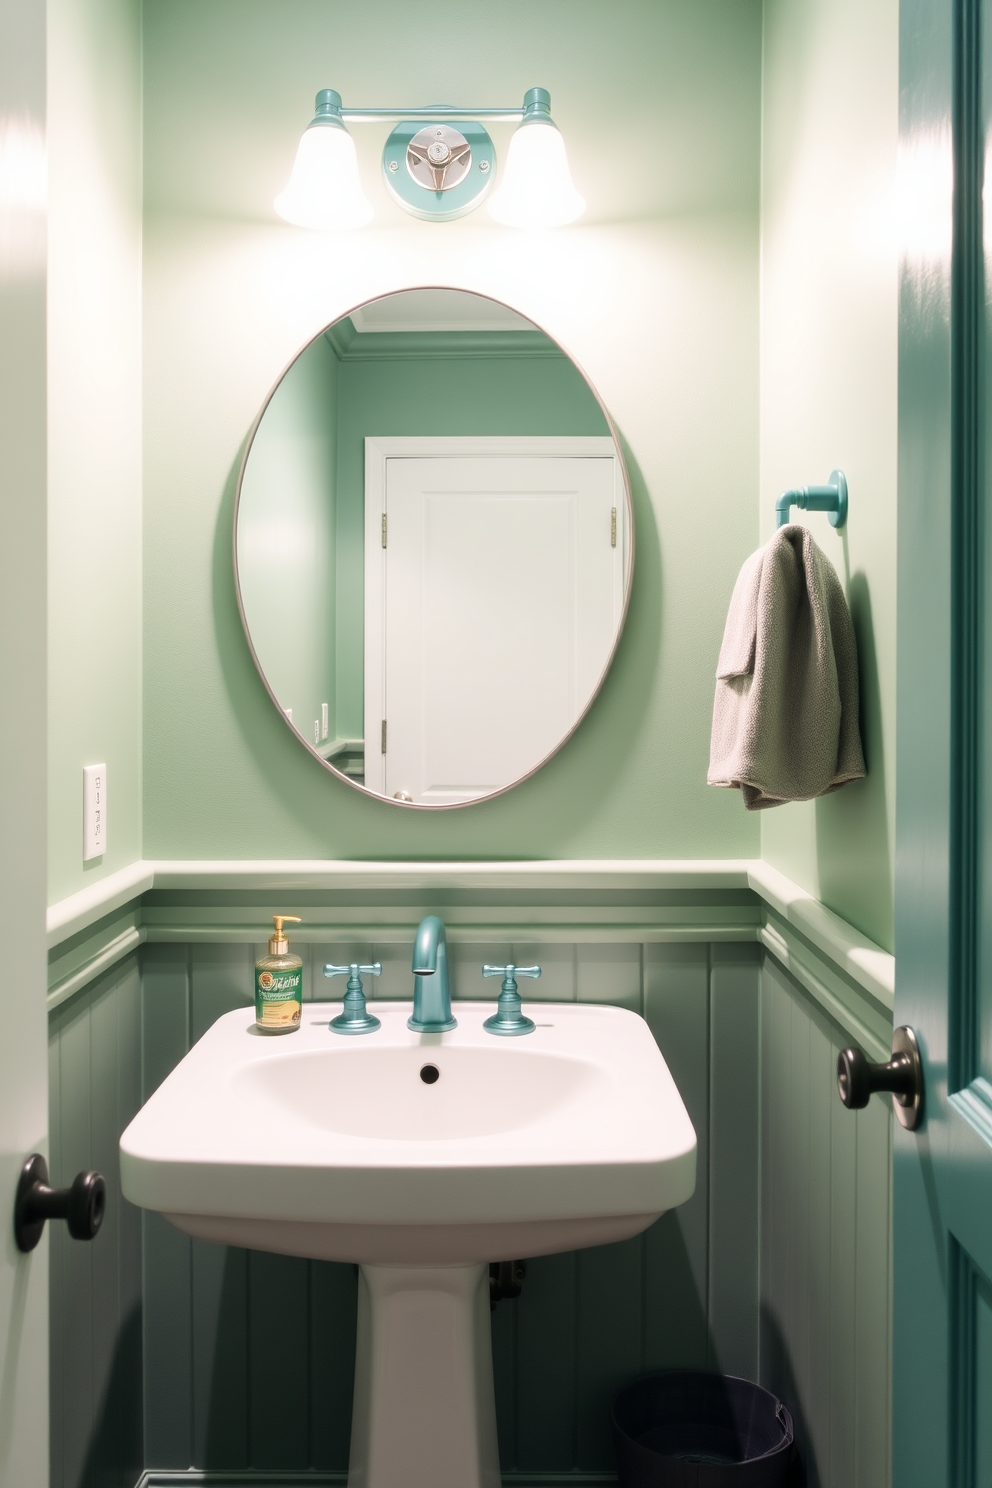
(82, 1205)
(858, 1079)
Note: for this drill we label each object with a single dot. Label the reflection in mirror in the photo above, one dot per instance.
(433, 546)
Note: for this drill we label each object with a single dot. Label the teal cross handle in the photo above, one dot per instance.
(508, 1018)
(355, 1017)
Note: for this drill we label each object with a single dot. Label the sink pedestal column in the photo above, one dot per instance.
(424, 1413)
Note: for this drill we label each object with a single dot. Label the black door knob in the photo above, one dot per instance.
(82, 1205)
(858, 1079)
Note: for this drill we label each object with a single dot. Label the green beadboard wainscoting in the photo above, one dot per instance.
(776, 1269)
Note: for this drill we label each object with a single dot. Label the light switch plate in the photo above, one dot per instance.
(94, 811)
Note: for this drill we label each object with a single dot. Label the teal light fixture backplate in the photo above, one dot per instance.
(405, 158)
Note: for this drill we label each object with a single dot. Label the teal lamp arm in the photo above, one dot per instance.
(508, 1019)
(355, 1016)
(830, 498)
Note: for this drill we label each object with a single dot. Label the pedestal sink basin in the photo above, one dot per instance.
(422, 1157)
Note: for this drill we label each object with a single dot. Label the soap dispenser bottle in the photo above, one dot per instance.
(279, 983)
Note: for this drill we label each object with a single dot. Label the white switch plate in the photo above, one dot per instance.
(94, 811)
(323, 720)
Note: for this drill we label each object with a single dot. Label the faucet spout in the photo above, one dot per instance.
(431, 992)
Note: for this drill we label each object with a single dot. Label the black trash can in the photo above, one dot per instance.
(686, 1429)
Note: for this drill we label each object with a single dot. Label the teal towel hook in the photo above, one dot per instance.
(831, 498)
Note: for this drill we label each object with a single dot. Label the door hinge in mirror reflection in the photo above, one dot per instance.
(613, 528)
(383, 736)
(384, 534)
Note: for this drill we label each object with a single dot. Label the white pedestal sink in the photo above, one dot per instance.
(341, 1149)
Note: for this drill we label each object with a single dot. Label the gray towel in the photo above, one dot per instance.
(785, 716)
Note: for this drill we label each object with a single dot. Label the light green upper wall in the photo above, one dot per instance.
(829, 280)
(655, 295)
(94, 429)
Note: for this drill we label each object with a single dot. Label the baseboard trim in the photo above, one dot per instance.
(260, 1478)
(217, 1478)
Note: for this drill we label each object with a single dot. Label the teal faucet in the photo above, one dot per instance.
(431, 993)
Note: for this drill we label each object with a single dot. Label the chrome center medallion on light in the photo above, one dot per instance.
(449, 168)
(439, 158)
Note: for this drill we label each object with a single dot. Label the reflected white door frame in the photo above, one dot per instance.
(534, 507)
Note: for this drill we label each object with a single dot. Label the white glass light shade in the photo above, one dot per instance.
(324, 191)
(536, 188)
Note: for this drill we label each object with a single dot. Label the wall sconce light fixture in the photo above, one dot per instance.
(438, 163)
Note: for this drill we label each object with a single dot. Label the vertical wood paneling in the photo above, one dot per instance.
(822, 1096)
(333, 1318)
(777, 1266)
(735, 1125)
(825, 1239)
(278, 1351)
(167, 1264)
(610, 973)
(104, 1250)
(130, 1314)
(609, 1343)
(164, 1012)
(219, 1347)
(465, 963)
(95, 1295)
(505, 1345)
(168, 1344)
(546, 1365)
(78, 1402)
(676, 1007)
(796, 1298)
(222, 977)
(557, 963)
(220, 980)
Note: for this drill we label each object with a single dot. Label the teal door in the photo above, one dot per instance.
(942, 1204)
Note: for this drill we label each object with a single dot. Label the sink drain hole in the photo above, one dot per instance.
(430, 1073)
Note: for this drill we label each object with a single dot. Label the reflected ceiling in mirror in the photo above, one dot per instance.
(433, 547)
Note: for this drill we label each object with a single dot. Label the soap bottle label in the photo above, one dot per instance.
(278, 998)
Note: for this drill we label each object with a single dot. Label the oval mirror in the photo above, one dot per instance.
(433, 546)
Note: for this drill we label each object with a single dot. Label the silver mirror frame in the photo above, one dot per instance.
(628, 574)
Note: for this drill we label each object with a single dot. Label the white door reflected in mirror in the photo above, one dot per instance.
(433, 547)
(491, 606)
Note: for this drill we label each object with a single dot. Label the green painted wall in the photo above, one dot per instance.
(286, 537)
(829, 280)
(655, 295)
(94, 431)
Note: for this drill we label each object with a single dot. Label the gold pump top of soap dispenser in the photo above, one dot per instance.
(278, 944)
